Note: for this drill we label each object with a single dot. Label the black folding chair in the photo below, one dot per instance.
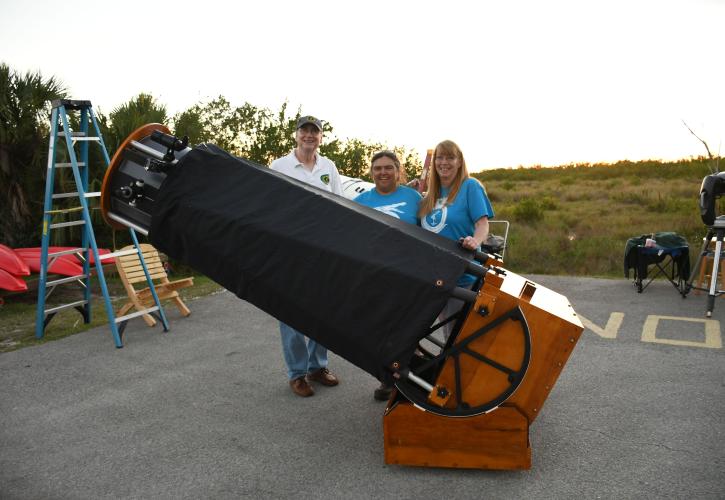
(654, 261)
(669, 257)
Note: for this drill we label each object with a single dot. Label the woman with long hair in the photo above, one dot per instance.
(456, 206)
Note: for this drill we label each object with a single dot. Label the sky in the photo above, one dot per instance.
(516, 82)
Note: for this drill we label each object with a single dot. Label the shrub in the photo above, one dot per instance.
(671, 205)
(548, 203)
(567, 181)
(528, 211)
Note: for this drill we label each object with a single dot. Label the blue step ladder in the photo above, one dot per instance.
(78, 161)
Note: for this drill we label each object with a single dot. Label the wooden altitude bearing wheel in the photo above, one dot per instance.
(476, 372)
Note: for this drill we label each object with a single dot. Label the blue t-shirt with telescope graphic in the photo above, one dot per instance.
(401, 203)
(458, 219)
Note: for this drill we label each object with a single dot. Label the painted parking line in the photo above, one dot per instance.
(709, 329)
(713, 337)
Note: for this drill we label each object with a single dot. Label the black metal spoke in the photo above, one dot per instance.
(444, 322)
(459, 392)
(488, 361)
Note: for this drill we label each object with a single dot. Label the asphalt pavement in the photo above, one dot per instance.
(204, 411)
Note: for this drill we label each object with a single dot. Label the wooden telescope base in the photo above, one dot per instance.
(495, 440)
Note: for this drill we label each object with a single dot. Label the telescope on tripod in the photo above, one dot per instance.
(712, 188)
(365, 285)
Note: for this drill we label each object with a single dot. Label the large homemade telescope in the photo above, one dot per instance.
(365, 285)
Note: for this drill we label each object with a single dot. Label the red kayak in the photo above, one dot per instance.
(12, 263)
(11, 283)
(70, 256)
(67, 265)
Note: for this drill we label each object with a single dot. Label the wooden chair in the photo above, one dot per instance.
(130, 271)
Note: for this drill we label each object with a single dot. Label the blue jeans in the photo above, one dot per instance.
(301, 354)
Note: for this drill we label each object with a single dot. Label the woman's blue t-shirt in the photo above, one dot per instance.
(458, 219)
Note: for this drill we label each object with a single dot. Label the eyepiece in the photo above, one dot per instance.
(170, 141)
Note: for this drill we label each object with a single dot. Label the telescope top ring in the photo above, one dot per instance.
(136, 135)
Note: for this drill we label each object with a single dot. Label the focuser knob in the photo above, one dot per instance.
(132, 193)
(124, 192)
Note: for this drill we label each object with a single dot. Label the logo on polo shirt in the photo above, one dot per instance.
(325, 178)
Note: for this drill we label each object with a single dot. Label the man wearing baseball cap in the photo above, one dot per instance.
(306, 359)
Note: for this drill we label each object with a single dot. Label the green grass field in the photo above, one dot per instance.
(575, 220)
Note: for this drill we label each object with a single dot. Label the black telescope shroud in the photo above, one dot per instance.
(363, 284)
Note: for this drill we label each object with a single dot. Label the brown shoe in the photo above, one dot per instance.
(300, 387)
(323, 376)
(383, 392)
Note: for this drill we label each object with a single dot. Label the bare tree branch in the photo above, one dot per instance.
(709, 154)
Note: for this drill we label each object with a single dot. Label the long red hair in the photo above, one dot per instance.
(446, 148)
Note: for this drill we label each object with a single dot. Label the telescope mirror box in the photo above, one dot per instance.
(467, 401)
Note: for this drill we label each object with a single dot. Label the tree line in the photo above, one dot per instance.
(249, 131)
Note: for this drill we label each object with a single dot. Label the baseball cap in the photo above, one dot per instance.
(309, 119)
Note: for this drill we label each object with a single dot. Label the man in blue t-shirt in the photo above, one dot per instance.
(388, 195)
(391, 198)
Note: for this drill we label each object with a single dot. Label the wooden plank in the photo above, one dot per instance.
(135, 268)
(139, 277)
(166, 290)
(133, 260)
(497, 440)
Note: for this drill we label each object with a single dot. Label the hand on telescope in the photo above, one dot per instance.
(480, 233)
(470, 243)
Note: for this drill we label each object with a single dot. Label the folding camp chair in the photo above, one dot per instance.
(668, 257)
(130, 270)
(664, 261)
